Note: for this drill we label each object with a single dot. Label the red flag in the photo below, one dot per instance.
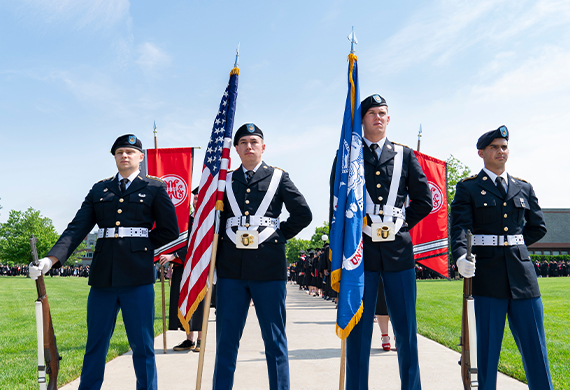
(430, 235)
(193, 286)
(174, 167)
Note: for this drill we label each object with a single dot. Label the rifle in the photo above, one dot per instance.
(48, 357)
(468, 339)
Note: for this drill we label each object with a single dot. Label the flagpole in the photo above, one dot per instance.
(342, 364)
(353, 40)
(419, 137)
(207, 301)
(161, 272)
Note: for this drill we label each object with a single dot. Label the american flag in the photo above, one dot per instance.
(210, 198)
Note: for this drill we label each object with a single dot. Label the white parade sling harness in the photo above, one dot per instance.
(384, 228)
(247, 235)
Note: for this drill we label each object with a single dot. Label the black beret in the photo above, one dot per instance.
(247, 129)
(127, 141)
(488, 137)
(372, 101)
(195, 191)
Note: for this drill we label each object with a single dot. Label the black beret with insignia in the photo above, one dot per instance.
(372, 101)
(247, 129)
(127, 141)
(486, 139)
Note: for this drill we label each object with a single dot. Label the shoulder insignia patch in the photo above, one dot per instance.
(470, 177)
(108, 178)
(154, 178)
(518, 178)
(277, 168)
(397, 143)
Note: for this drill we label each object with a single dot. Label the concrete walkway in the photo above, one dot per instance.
(314, 353)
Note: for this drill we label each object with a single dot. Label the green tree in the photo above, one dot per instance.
(456, 171)
(293, 248)
(15, 235)
(316, 239)
(77, 254)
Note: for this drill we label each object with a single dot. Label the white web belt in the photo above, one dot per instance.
(388, 211)
(120, 232)
(249, 220)
(255, 221)
(491, 240)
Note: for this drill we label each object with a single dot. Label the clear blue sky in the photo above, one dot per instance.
(75, 74)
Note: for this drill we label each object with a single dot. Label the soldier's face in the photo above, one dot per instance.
(496, 154)
(128, 159)
(375, 122)
(250, 148)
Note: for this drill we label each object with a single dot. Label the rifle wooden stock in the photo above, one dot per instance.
(468, 334)
(51, 355)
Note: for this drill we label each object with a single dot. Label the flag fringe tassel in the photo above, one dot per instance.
(343, 333)
(185, 321)
(234, 71)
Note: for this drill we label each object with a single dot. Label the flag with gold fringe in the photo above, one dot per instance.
(347, 276)
(193, 286)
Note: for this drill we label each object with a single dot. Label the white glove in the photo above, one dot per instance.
(41, 269)
(465, 267)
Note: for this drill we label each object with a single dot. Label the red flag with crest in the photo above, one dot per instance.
(174, 167)
(430, 235)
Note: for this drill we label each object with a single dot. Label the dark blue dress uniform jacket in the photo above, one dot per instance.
(268, 262)
(395, 255)
(507, 271)
(128, 261)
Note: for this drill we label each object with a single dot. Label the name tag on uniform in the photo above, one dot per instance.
(382, 232)
(247, 239)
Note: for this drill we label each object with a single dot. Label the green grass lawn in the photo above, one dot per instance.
(68, 302)
(438, 308)
(439, 318)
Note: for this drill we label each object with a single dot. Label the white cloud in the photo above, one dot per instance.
(152, 57)
(438, 32)
(82, 13)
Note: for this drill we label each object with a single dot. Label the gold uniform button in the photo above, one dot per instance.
(248, 190)
(484, 177)
(378, 185)
(506, 229)
(506, 243)
(119, 211)
(276, 240)
(484, 204)
(121, 200)
(377, 173)
(145, 249)
(141, 200)
(105, 190)
(380, 198)
(505, 216)
(100, 200)
(505, 203)
(246, 213)
(116, 235)
(381, 212)
(247, 202)
(247, 225)
(118, 223)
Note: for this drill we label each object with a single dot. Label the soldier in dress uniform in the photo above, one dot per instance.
(251, 262)
(125, 207)
(392, 173)
(503, 214)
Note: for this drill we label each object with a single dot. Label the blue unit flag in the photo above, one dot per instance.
(347, 274)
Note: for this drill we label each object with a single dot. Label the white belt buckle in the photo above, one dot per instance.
(247, 239)
(383, 232)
